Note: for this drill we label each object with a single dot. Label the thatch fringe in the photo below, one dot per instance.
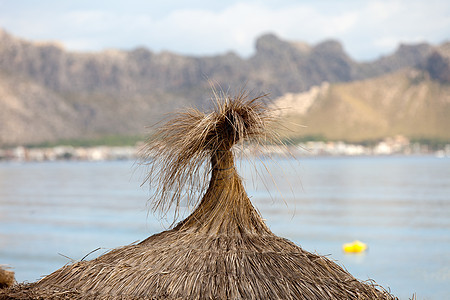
(170, 266)
(223, 250)
(6, 278)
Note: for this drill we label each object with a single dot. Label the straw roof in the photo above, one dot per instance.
(223, 250)
(6, 278)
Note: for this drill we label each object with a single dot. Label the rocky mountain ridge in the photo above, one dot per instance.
(48, 93)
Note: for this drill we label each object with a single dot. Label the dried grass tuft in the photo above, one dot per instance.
(6, 278)
(180, 150)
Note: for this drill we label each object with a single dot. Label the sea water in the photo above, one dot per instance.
(54, 213)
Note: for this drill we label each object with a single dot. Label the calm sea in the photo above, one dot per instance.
(53, 213)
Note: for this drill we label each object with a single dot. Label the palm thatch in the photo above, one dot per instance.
(6, 278)
(223, 250)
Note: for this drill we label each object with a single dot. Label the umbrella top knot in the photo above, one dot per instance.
(188, 149)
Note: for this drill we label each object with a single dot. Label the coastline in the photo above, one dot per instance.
(316, 148)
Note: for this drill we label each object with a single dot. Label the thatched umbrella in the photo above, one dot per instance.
(223, 250)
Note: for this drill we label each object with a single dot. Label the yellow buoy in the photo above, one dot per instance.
(354, 247)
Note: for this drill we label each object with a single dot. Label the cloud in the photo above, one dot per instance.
(366, 28)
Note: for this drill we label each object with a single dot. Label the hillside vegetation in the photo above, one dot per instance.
(406, 102)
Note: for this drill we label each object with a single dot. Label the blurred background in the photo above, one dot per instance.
(363, 92)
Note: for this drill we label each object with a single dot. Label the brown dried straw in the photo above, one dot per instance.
(223, 250)
(6, 278)
(179, 149)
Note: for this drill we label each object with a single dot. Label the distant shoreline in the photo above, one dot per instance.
(308, 149)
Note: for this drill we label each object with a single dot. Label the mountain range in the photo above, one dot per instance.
(48, 93)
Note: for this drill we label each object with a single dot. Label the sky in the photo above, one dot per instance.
(367, 29)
